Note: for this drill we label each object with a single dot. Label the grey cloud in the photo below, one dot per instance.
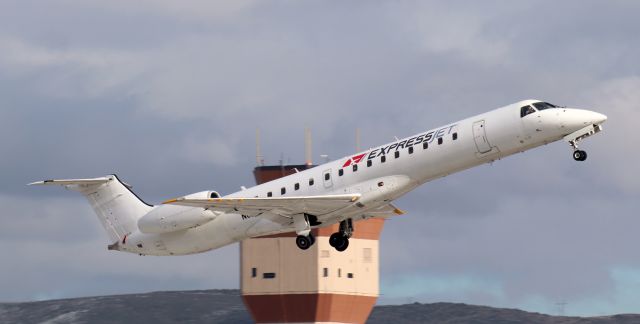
(92, 88)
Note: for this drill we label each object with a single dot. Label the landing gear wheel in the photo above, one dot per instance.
(579, 155)
(312, 238)
(304, 242)
(342, 245)
(335, 238)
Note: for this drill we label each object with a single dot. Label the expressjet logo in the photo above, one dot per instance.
(354, 160)
(419, 139)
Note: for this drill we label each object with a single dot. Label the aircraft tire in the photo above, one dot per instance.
(303, 242)
(579, 155)
(343, 245)
(335, 238)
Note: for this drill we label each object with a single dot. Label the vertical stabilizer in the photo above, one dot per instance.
(117, 207)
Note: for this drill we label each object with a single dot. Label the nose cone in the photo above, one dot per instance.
(574, 119)
(597, 118)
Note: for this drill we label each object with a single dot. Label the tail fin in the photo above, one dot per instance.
(117, 207)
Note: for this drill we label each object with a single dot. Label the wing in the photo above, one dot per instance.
(314, 205)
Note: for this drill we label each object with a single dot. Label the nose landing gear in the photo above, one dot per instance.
(579, 155)
(579, 135)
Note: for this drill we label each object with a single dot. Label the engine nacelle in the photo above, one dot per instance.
(203, 195)
(171, 218)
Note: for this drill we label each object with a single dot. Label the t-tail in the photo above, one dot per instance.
(117, 207)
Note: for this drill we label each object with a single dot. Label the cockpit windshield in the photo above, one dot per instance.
(528, 109)
(543, 105)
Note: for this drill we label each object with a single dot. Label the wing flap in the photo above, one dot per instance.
(317, 205)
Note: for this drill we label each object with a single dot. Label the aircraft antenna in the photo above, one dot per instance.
(259, 157)
(357, 140)
(307, 147)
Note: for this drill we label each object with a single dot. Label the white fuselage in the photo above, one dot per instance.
(450, 148)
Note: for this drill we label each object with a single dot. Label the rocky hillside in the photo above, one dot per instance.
(225, 306)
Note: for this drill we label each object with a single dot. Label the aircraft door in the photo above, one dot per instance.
(480, 137)
(326, 178)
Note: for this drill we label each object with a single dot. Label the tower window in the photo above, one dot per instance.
(268, 275)
(254, 272)
(325, 272)
(350, 275)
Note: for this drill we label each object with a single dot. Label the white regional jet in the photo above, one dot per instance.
(352, 188)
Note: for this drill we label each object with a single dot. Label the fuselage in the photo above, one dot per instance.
(380, 174)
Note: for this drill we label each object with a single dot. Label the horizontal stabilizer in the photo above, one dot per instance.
(66, 182)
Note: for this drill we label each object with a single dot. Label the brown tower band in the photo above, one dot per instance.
(283, 284)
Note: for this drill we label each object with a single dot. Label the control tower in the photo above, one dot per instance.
(282, 284)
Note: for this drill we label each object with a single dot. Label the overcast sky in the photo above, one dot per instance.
(168, 94)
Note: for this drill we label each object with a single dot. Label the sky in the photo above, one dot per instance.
(168, 94)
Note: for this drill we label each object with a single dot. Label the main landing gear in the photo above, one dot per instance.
(303, 223)
(340, 240)
(305, 242)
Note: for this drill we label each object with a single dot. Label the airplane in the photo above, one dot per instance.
(356, 187)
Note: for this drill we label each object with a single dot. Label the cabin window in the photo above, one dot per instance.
(440, 141)
(383, 159)
(425, 145)
(327, 176)
(454, 136)
(340, 172)
(369, 163)
(397, 154)
(296, 186)
(410, 149)
(254, 272)
(310, 181)
(283, 190)
(269, 194)
(268, 275)
(355, 167)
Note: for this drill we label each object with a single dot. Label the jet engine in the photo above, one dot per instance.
(171, 218)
